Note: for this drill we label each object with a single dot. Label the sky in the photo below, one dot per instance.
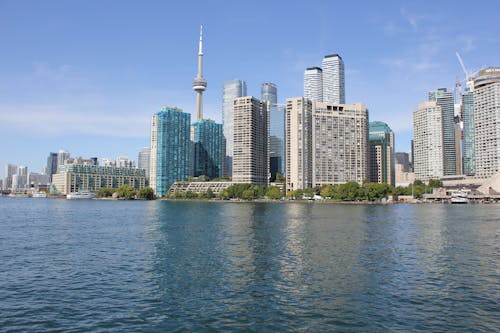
(86, 76)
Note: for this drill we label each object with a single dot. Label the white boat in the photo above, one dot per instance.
(39, 194)
(81, 195)
(459, 197)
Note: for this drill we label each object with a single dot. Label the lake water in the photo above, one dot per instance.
(116, 266)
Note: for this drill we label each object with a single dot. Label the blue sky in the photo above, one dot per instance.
(86, 76)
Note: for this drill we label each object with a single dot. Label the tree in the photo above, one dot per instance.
(280, 178)
(105, 192)
(309, 193)
(210, 194)
(273, 193)
(146, 193)
(126, 192)
(435, 183)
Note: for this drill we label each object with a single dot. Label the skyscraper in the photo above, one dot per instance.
(10, 171)
(143, 160)
(382, 164)
(170, 149)
(200, 84)
(232, 89)
(444, 99)
(339, 143)
(208, 152)
(51, 167)
(333, 79)
(251, 137)
(428, 141)
(298, 143)
(276, 129)
(486, 122)
(469, 160)
(61, 157)
(313, 84)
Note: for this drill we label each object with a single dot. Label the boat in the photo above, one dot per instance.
(81, 195)
(39, 194)
(459, 197)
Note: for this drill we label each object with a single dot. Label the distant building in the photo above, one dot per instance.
(62, 156)
(444, 99)
(458, 145)
(251, 137)
(428, 141)
(143, 160)
(208, 149)
(382, 164)
(10, 170)
(78, 177)
(298, 143)
(83, 161)
(403, 173)
(276, 130)
(469, 160)
(487, 122)
(170, 149)
(333, 79)
(51, 167)
(232, 89)
(313, 84)
(36, 180)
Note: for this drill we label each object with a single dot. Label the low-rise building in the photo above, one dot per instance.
(78, 177)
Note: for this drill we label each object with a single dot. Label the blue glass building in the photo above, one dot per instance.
(276, 130)
(170, 149)
(382, 161)
(208, 145)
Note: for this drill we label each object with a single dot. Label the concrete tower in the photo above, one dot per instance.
(199, 83)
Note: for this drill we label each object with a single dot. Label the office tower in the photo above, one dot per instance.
(232, 89)
(208, 152)
(333, 79)
(444, 99)
(339, 143)
(403, 159)
(143, 160)
(251, 137)
(20, 181)
(313, 84)
(170, 149)
(200, 84)
(51, 167)
(124, 162)
(469, 162)
(10, 170)
(486, 121)
(428, 141)
(458, 144)
(276, 129)
(62, 156)
(298, 143)
(381, 139)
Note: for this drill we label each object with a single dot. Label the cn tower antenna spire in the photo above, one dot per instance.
(200, 84)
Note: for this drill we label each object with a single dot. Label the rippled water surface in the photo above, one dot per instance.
(114, 266)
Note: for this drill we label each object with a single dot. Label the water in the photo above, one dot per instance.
(114, 266)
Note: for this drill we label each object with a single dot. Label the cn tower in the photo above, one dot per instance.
(200, 84)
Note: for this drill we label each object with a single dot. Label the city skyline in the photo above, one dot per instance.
(86, 77)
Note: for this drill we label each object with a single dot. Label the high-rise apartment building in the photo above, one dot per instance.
(313, 84)
(208, 149)
(382, 163)
(269, 93)
(251, 137)
(487, 122)
(340, 143)
(444, 99)
(469, 160)
(232, 89)
(333, 79)
(428, 141)
(170, 149)
(298, 143)
(143, 160)
(10, 170)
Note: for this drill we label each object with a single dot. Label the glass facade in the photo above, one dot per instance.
(170, 149)
(232, 89)
(382, 162)
(468, 132)
(269, 93)
(208, 143)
